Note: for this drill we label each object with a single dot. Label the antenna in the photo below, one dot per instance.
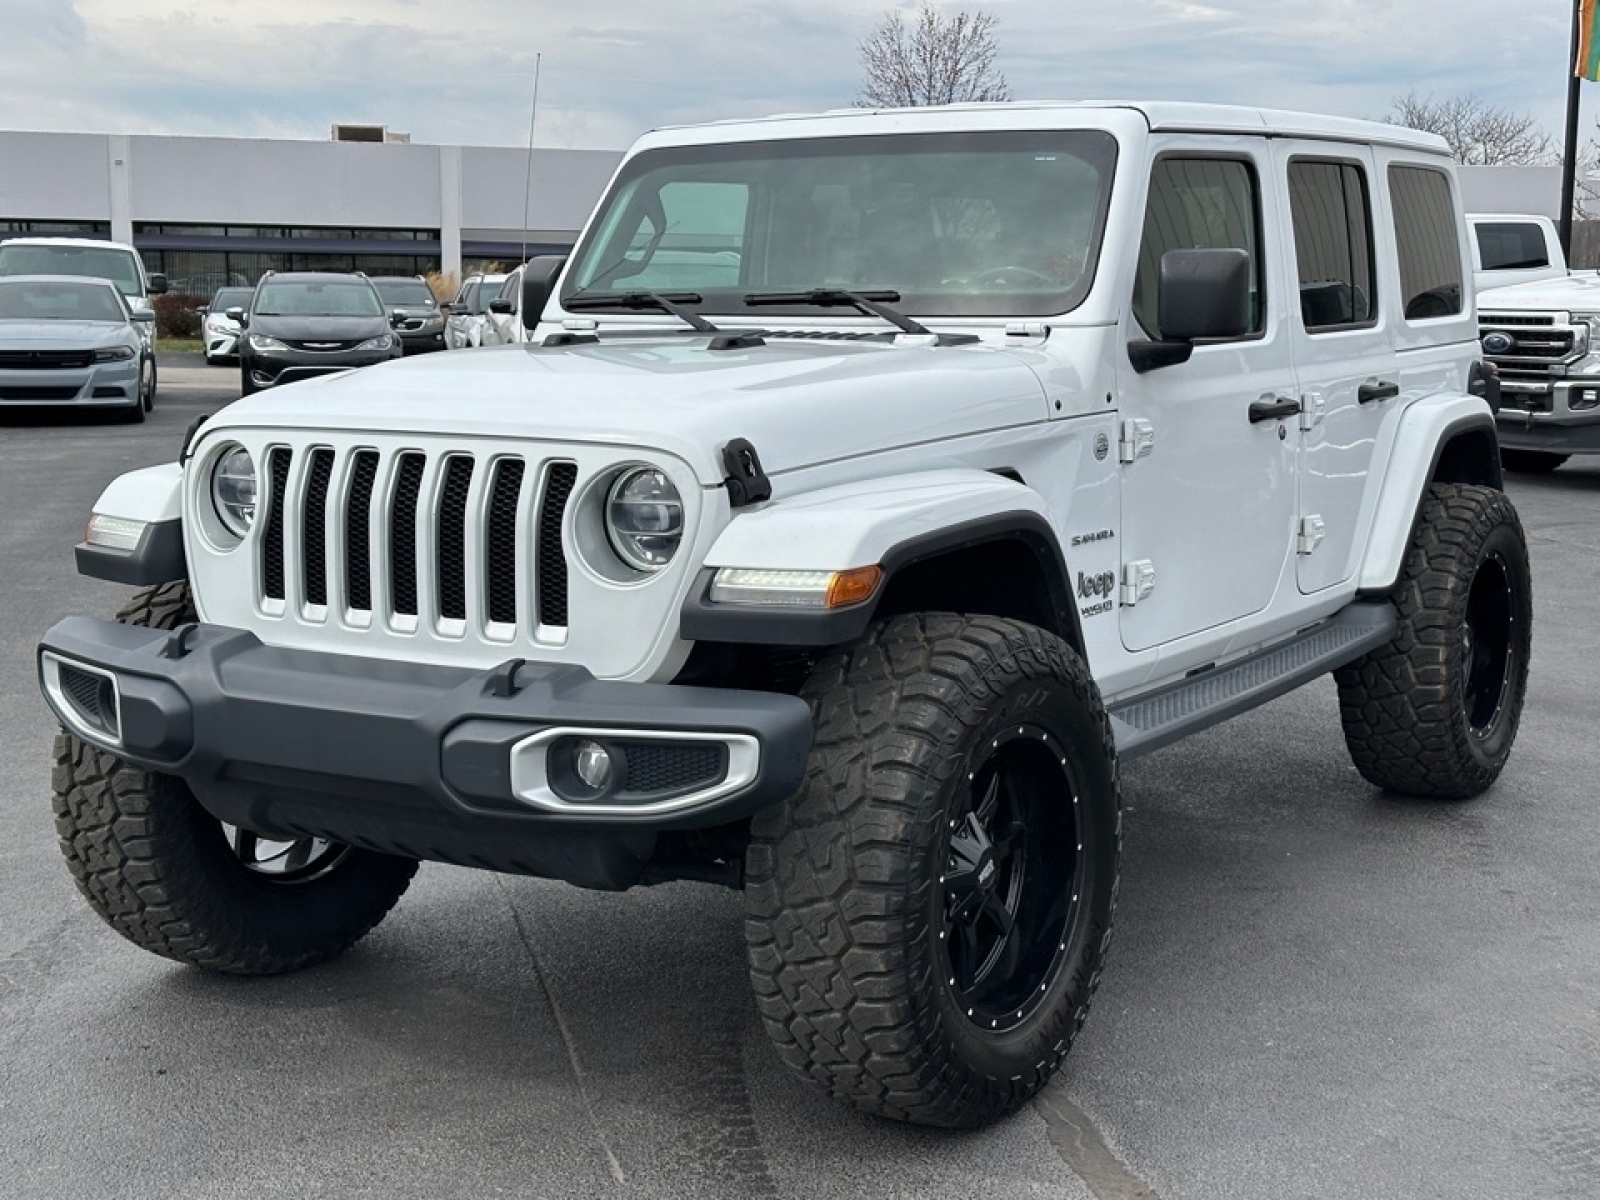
(527, 182)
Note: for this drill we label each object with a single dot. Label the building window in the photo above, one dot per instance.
(89, 229)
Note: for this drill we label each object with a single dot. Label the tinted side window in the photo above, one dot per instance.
(1198, 204)
(1511, 246)
(1428, 235)
(1332, 244)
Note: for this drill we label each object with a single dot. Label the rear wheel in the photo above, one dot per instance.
(1434, 712)
(1531, 462)
(927, 918)
(172, 879)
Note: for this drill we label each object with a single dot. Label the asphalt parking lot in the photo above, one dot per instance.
(1315, 990)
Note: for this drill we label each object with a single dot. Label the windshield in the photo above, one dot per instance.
(38, 300)
(404, 291)
(966, 224)
(476, 293)
(95, 262)
(317, 298)
(230, 298)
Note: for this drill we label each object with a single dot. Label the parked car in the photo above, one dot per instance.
(220, 332)
(1023, 441)
(309, 323)
(463, 327)
(421, 321)
(74, 340)
(502, 324)
(96, 259)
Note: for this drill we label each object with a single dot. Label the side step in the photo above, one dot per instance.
(1155, 719)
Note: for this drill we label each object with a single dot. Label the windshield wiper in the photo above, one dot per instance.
(670, 303)
(873, 303)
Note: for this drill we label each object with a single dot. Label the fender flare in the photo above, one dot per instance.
(1426, 431)
(153, 497)
(893, 523)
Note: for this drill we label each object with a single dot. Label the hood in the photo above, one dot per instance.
(800, 402)
(17, 333)
(319, 329)
(412, 310)
(1570, 293)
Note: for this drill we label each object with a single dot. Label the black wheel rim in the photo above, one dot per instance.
(288, 860)
(1012, 890)
(1487, 641)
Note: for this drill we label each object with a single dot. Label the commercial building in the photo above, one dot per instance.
(211, 211)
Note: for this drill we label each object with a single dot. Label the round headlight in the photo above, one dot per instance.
(644, 518)
(233, 489)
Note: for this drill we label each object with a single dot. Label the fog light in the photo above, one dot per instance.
(591, 762)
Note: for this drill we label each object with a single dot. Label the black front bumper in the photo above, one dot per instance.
(426, 761)
(268, 370)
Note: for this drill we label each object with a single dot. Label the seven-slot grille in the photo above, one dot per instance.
(1542, 346)
(440, 536)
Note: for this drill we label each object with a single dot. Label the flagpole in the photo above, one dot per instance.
(1569, 159)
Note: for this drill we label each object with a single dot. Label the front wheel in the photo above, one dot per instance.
(928, 916)
(1434, 712)
(172, 879)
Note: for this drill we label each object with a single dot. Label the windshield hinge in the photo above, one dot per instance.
(747, 483)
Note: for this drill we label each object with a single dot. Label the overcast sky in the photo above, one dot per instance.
(461, 71)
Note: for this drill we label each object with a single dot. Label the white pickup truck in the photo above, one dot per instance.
(1542, 331)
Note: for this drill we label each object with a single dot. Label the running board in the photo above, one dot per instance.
(1155, 719)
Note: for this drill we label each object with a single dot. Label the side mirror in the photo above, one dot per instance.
(396, 319)
(500, 305)
(146, 315)
(1202, 294)
(158, 284)
(236, 314)
(538, 284)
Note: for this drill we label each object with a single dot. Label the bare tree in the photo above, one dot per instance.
(930, 60)
(1479, 134)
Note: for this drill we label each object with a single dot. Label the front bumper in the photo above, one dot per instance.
(114, 383)
(1562, 419)
(426, 761)
(268, 370)
(222, 343)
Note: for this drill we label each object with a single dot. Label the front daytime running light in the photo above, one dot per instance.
(234, 489)
(820, 590)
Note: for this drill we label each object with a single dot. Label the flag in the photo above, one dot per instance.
(1588, 64)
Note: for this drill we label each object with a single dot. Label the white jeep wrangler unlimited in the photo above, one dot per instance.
(874, 483)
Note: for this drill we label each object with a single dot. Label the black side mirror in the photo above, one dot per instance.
(236, 314)
(145, 315)
(538, 284)
(396, 319)
(1202, 294)
(158, 284)
(499, 305)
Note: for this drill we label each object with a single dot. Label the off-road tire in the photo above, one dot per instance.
(160, 870)
(1435, 711)
(846, 900)
(1531, 462)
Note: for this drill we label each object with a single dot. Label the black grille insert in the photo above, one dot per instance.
(453, 538)
(45, 360)
(500, 540)
(403, 535)
(92, 696)
(272, 541)
(314, 527)
(358, 531)
(552, 566)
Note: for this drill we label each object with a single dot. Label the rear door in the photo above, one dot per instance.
(1341, 332)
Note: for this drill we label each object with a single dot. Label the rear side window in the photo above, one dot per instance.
(1332, 244)
(1198, 204)
(1511, 246)
(1428, 234)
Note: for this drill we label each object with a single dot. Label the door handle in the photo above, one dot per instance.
(1273, 408)
(1376, 389)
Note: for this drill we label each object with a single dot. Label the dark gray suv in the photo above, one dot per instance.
(307, 323)
(410, 300)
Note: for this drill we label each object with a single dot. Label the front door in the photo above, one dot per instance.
(1208, 499)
